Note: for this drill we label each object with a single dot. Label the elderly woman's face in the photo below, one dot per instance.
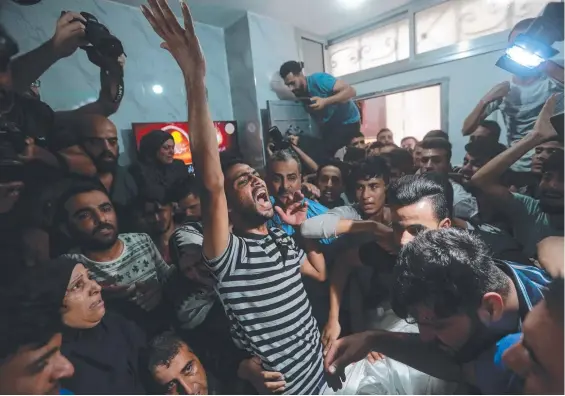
(83, 307)
(166, 152)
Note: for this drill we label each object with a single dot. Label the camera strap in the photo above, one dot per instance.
(110, 67)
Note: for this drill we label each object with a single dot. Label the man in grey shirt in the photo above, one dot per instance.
(520, 102)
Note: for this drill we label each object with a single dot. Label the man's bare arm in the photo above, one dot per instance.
(479, 113)
(185, 48)
(342, 92)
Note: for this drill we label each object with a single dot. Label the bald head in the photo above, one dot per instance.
(100, 141)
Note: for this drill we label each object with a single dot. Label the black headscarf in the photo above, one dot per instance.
(47, 282)
(151, 143)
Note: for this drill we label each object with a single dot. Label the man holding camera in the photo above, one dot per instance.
(328, 100)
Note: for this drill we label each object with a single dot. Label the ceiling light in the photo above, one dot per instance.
(351, 4)
(157, 89)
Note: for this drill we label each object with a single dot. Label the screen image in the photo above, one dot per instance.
(226, 132)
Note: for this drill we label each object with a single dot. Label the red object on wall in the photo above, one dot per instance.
(226, 132)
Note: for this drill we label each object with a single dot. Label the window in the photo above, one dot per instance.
(412, 112)
(378, 47)
(313, 55)
(457, 21)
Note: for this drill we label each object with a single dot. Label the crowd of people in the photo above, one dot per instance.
(233, 280)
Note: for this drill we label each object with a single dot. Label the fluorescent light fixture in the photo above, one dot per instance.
(351, 4)
(157, 89)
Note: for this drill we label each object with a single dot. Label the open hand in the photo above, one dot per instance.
(296, 212)
(345, 351)
(317, 103)
(181, 43)
(69, 34)
(331, 332)
(264, 382)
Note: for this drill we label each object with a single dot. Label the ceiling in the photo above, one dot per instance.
(323, 18)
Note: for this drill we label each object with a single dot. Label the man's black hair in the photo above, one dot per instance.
(400, 159)
(76, 185)
(376, 145)
(163, 349)
(284, 155)
(436, 133)
(343, 168)
(438, 144)
(432, 186)
(408, 138)
(493, 128)
(354, 155)
(371, 167)
(293, 67)
(554, 163)
(227, 160)
(523, 25)
(356, 135)
(383, 130)
(448, 270)
(484, 149)
(26, 321)
(554, 300)
(189, 185)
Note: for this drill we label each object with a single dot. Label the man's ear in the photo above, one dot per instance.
(492, 308)
(445, 223)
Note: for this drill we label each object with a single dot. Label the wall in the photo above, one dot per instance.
(74, 81)
(469, 80)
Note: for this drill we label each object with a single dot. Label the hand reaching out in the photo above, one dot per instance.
(181, 43)
(69, 34)
(295, 213)
(543, 129)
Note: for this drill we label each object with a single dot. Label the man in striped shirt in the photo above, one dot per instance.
(258, 270)
(464, 303)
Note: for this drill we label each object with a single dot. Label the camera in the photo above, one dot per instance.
(103, 43)
(280, 142)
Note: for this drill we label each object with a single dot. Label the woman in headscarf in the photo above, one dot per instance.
(104, 347)
(157, 170)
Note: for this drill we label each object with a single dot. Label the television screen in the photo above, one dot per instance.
(226, 132)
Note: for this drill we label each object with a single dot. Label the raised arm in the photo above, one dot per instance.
(336, 222)
(487, 178)
(185, 48)
(342, 92)
(484, 107)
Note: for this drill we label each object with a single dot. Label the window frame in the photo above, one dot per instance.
(481, 45)
(444, 96)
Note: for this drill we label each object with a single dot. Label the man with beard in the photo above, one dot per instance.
(258, 270)
(328, 100)
(284, 181)
(99, 140)
(463, 301)
(128, 266)
(330, 179)
(543, 151)
(531, 219)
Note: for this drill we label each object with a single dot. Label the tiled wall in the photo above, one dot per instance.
(74, 81)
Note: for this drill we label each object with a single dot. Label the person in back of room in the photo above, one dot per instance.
(385, 136)
(409, 143)
(356, 142)
(531, 219)
(330, 179)
(374, 149)
(543, 151)
(31, 362)
(520, 102)
(400, 163)
(129, 267)
(486, 130)
(328, 100)
(538, 356)
(436, 157)
(157, 169)
(464, 303)
(284, 180)
(104, 348)
(285, 338)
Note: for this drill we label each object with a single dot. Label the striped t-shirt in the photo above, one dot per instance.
(260, 286)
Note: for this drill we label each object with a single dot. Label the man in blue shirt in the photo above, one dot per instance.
(284, 179)
(328, 100)
(464, 303)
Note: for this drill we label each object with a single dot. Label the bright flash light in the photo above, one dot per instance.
(351, 4)
(157, 89)
(524, 57)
